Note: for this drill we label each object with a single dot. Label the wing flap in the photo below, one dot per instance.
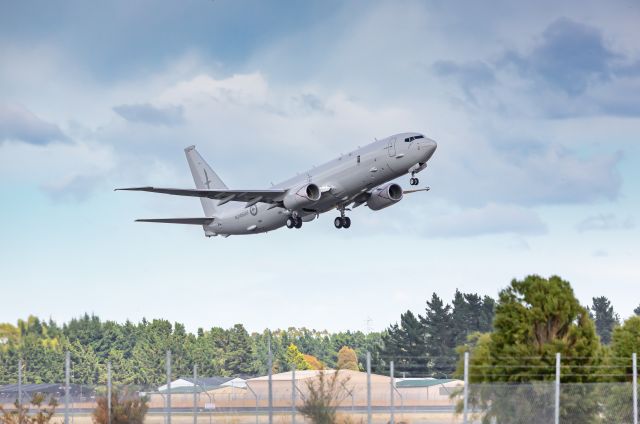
(188, 221)
(265, 196)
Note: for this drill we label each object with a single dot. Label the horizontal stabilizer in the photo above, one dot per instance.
(190, 221)
(265, 196)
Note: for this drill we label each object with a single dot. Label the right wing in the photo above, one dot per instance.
(190, 221)
(224, 195)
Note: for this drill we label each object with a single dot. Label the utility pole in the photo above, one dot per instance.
(635, 388)
(270, 366)
(20, 382)
(466, 388)
(293, 394)
(557, 411)
(369, 388)
(391, 398)
(195, 395)
(108, 392)
(168, 387)
(67, 383)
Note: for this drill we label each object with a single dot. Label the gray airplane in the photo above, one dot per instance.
(362, 176)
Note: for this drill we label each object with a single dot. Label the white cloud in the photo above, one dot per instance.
(20, 124)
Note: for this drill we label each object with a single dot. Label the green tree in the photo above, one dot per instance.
(405, 345)
(239, 356)
(295, 358)
(617, 399)
(626, 341)
(605, 318)
(440, 342)
(535, 319)
(347, 359)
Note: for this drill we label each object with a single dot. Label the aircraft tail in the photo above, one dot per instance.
(204, 177)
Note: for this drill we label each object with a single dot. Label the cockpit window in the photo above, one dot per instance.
(410, 139)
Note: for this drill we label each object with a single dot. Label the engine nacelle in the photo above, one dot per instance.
(297, 198)
(384, 196)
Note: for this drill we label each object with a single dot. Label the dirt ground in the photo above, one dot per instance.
(203, 418)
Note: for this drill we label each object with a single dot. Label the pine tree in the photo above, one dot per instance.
(440, 343)
(238, 360)
(605, 318)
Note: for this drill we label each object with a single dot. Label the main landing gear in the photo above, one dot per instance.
(342, 221)
(294, 222)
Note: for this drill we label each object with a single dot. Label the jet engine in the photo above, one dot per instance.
(384, 196)
(297, 198)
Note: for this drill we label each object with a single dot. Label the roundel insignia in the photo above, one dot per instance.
(253, 210)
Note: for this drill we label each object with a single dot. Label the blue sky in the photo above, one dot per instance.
(535, 107)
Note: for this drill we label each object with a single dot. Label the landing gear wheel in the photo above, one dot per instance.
(338, 222)
(291, 222)
(414, 181)
(298, 222)
(346, 222)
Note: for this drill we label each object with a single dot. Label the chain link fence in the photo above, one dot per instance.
(361, 396)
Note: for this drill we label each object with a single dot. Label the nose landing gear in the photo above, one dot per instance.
(414, 180)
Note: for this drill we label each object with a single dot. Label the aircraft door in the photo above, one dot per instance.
(391, 147)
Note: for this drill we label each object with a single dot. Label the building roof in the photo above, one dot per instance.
(424, 382)
(49, 388)
(300, 375)
(205, 383)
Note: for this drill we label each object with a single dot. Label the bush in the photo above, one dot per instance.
(324, 397)
(125, 409)
(43, 415)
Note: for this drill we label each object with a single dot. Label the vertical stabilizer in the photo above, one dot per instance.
(204, 177)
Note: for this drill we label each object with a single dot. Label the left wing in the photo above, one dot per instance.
(224, 195)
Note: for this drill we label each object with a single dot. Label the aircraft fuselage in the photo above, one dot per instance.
(341, 180)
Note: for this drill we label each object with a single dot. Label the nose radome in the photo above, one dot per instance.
(431, 143)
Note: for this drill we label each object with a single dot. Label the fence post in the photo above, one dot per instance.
(67, 378)
(368, 387)
(168, 401)
(108, 392)
(20, 382)
(557, 408)
(293, 394)
(635, 388)
(391, 400)
(270, 372)
(465, 401)
(195, 395)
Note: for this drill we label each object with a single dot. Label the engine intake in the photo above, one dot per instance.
(302, 196)
(384, 196)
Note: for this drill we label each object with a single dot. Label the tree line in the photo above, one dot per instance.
(422, 344)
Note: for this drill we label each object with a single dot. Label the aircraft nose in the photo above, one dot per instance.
(431, 144)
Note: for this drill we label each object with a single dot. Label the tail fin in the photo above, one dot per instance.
(204, 177)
